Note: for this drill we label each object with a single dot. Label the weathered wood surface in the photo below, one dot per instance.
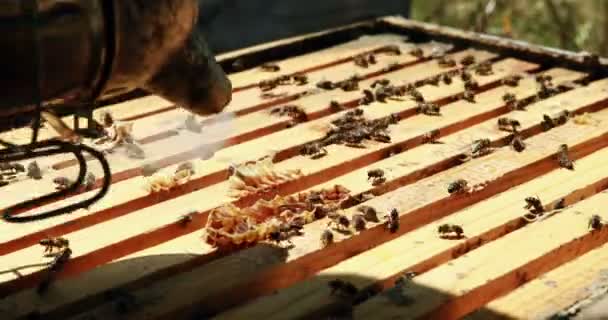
(132, 240)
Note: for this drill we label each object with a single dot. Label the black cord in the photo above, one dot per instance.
(50, 147)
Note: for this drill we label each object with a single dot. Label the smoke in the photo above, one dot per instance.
(198, 137)
(216, 133)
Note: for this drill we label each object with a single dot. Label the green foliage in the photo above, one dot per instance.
(569, 24)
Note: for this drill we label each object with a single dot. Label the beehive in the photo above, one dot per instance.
(135, 257)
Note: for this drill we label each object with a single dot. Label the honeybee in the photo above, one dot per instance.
(416, 95)
(428, 108)
(369, 213)
(431, 136)
(547, 123)
(270, 67)
(480, 147)
(511, 80)
(326, 85)
(469, 96)
(446, 78)
(467, 60)
(377, 176)
(359, 222)
(534, 205)
(510, 100)
(508, 124)
(392, 221)
(300, 79)
(89, 182)
(517, 143)
(391, 50)
(458, 186)
(484, 68)
(327, 238)
(368, 97)
(50, 244)
(563, 158)
(62, 183)
(446, 229)
(187, 218)
(339, 220)
(33, 171)
(595, 222)
(446, 62)
(417, 52)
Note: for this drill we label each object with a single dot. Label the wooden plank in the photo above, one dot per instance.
(421, 249)
(234, 263)
(475, 279)
(171, 214)
(131, 190)
(317, 59)
(245, 128)
(553, 292)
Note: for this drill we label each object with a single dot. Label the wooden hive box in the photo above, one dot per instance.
(135, 257)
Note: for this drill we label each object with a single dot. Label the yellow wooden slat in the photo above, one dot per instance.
(490, 262)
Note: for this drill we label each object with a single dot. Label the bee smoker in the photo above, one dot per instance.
(74, 52)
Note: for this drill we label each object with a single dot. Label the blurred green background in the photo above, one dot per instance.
(568, 24)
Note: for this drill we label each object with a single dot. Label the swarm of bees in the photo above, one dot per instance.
(364, 60)
(448, 230)
(458, 186)
(164, 182)
(284, 80)
(257, 176)
(270, 67)
(376, 176)
(274, 220)
(351, 130)
(563, 159)
(595, 222)
(296, 113)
